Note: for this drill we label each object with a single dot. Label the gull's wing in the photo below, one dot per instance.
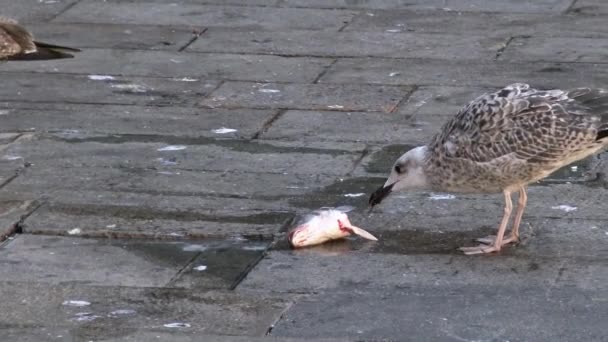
(525, 123)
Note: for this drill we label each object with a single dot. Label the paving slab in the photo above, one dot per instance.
(171, 153)
(144, 37)
(34, 10)
(588, 50)
(559, 253)
(464, 73)
(592, 7)
(503, 24)
(345, 126)
(349, 97)
(350, 44)
(431, 105)
(133, 334)
(244, 17)
(113, 311)
(102, 89)
(11, 213)
(519, 313)
(136, 263)
(78, 119)
(176, 65)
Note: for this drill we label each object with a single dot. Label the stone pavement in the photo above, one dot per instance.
(146, 185)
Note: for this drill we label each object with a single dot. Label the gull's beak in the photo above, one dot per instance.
(380, 194)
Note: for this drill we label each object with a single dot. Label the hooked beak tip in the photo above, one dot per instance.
(380, 194)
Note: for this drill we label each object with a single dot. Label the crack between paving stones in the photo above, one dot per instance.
(290, 304)
(17, 227)
(195, 35)
(67, 8)
(179, 273)
(569, 7)
(266, 252)
(266, 125)
(405, 98)
(358, 161)
(502, 49)
(324, 71)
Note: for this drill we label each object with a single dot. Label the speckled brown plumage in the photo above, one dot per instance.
(503, 141)
(16, 43)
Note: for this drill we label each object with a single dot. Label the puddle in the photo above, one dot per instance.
(226, 261)
(382, 161)
(398, 242)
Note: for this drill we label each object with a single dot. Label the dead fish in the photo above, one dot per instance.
(324, 225)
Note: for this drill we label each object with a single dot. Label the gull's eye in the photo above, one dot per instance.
(398, 168)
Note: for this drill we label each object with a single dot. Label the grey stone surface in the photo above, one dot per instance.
(170, 153)
(33, 10)
(450, 314)
(64, 88)
(590, 50)
(345, 126)
(30, 304)
(502, 24)
(350, 44)
(252, 18)
(464, 73)
(71, 120)
(592, 7)
(156, 174)
(114, 36)
(358, 97)
(181, 66)
(134, 263)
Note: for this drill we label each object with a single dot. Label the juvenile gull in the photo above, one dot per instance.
(16, 43)
(501, 142)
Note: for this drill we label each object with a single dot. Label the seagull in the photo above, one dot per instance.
(501, 142)
(16, 43)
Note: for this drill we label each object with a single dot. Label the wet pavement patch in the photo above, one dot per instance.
(398, 242)
(203, 264)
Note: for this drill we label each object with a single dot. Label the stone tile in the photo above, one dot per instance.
(590, 50)
(503, 24)
(192, 154)
(464, 73)
(525, 313)
(136, 263)
(85, 36)
(63, 88)
(350, 44)
(180, 65)
(430, 259)
(11, 212)
(549, 6)
(592, 7)
(431, 105)
(38, 179)
(37, 304)
(33, 10)
(350, 97)
(71, 120)
(345, 126)
(236, 17)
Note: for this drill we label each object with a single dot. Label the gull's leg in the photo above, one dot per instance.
(521, 205)
(514, 236)
(498, 241)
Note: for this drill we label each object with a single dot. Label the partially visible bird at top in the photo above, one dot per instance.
(501, 142)
(16, 43)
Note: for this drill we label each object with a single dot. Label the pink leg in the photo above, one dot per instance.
(521, 205)
(498, 241)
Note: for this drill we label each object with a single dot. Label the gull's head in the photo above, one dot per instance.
(407, 173)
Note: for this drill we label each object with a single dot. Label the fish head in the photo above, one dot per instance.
(324, 225)
(407, 173)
